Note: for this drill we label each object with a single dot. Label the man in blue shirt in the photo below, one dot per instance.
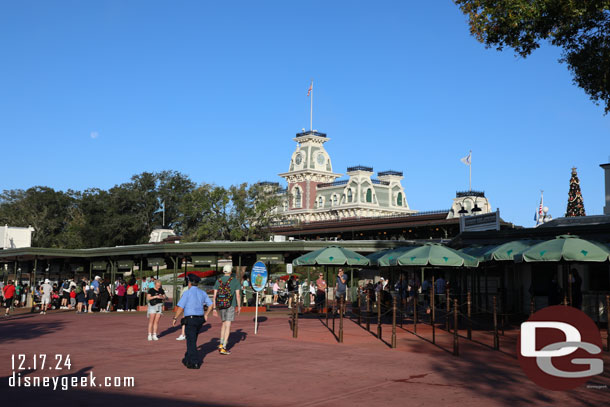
(192, 304)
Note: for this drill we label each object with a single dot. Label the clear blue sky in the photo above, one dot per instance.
(94, 92)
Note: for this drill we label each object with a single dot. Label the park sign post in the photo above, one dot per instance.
(258, 279)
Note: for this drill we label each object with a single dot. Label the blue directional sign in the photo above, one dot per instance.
(259, 276)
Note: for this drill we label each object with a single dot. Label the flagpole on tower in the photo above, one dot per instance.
(311, 107)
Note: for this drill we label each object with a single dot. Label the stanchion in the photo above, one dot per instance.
(359, 309)
(295, 332)
(394, 322)
(432, 312)
(502, 307)
(368, 311)
(532, 305)
(326, 305)
(292, 320)
(379, 315)
(456, 345)
(570, 288)
(334, 312)
(496, 337)
(469, 313)
(415, 312)
(608, 322)
(341, 310)
(447, 310)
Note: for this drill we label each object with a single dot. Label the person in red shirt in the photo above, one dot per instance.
(9, 294)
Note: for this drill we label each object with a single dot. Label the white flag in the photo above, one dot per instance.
(466, 160)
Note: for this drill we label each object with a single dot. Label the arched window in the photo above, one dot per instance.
(334, 200)
(298, 198)
(349, 195)
(369, 195)
(399, 199)
(320, 202)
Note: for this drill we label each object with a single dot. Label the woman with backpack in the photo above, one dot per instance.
(132, 295)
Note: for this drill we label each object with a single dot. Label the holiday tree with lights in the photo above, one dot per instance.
(576, 206)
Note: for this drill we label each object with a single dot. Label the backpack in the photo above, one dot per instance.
(224, 296)
(78, 289)
(130, 290)
(66, 285)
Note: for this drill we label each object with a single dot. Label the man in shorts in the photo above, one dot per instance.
(226, 299)
(46, 291)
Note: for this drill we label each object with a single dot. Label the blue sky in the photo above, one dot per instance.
(94, 92)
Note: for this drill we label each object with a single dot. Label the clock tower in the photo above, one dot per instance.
(309, 166)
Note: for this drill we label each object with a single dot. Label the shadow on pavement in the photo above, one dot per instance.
(14, 329)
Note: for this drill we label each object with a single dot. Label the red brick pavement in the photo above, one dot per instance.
(272, 368)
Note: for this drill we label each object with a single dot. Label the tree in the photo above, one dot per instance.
(576, 206)
(581, 28)
(43, 208)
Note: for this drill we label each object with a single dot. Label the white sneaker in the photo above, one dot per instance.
(154, 337)
(42, 312)
(119, 310)
(181, 338)
(150, 337)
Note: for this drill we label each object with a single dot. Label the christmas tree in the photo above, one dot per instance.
(575, 205)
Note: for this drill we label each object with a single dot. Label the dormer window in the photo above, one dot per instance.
(350, 196)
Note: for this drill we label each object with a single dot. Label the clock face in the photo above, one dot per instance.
(321, 159)
(298, 159)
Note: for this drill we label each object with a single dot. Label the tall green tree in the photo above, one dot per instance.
(43, 208)
(581, 28)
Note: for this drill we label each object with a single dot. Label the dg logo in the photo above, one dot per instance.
(559, 348)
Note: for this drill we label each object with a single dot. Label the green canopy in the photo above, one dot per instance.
(565, 247)
(384, 257)
(506, 251)
(478, 250)
(330, 256)
(434, 254)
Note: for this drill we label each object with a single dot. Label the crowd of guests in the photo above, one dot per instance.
(83, 296)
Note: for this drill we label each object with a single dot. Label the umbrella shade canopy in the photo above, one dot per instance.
(384, 257)
(332, 255)
(507, 251)
(434, 254)
(565, 247)
(477, 251)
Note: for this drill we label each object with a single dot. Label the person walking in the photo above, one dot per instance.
(155, 298)
(192, 305)
(226, 300)
(47, 291)
(9, 292)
